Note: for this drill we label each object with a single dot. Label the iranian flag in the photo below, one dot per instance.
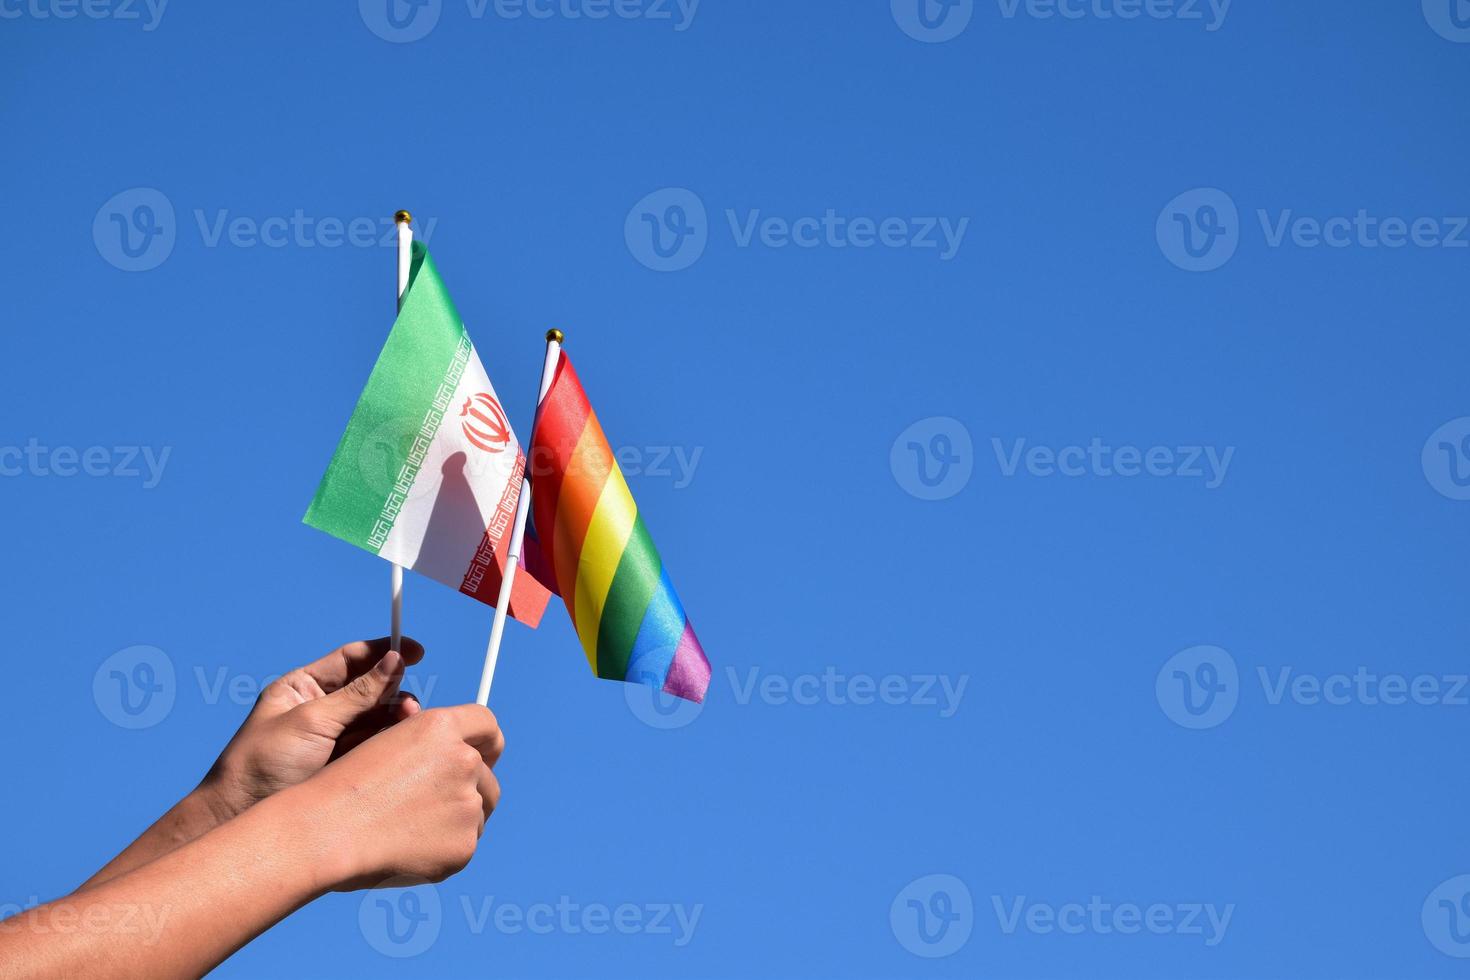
(427, 473)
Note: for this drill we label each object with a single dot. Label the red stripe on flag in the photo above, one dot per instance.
(559, 424)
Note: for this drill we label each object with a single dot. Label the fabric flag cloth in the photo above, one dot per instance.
(429, 469)
(601, 559)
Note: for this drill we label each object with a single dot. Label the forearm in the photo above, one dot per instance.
(191, 818)
(183, 913)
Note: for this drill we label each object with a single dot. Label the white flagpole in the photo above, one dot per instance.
(405, 262)
(518, 532)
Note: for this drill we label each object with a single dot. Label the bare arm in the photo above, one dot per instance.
(411, 801)
(182, 914)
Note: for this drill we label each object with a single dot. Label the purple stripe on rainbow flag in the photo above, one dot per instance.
(689, 673)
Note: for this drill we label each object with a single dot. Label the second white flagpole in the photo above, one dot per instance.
(518, 532)
(405, 263)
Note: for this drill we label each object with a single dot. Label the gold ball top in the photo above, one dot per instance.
(554, 335)
(402, 218)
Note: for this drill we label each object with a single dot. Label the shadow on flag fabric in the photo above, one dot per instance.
(427, 473)
(596, 551)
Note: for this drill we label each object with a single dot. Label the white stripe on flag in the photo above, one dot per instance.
(456, 493)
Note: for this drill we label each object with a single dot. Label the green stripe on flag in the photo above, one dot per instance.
(401, 406)
(633, 586)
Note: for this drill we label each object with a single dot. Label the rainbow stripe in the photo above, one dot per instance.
(603, 562)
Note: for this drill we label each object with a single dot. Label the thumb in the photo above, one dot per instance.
(356, 698)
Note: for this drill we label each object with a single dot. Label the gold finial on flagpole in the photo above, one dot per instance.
(402, 218)
(555, 335)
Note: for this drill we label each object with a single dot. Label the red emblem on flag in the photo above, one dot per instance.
(484, 423)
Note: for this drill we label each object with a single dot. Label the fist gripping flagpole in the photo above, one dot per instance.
(405, 262)
(554, 339)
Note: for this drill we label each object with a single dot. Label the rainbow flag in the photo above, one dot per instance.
(600, 556)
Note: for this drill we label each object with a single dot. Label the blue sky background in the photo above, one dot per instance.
(1080, 758)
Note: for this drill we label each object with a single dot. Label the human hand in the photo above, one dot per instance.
(309, 717)
(411, 802)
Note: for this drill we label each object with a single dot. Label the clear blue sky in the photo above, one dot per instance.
(1007, 267)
